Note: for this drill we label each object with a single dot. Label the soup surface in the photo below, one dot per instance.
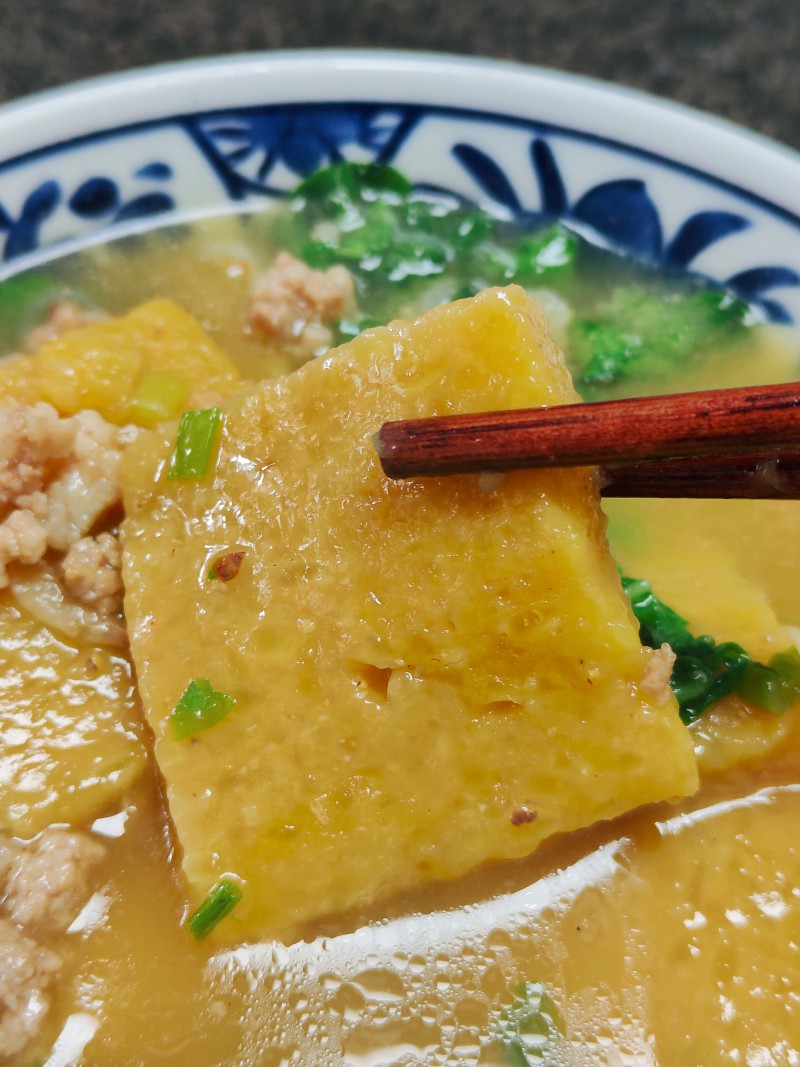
(666, 937)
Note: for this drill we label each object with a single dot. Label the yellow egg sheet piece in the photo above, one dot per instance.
(428, 674)
(141, 368)
(71, 749)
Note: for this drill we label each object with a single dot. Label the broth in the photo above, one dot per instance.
(666, 937)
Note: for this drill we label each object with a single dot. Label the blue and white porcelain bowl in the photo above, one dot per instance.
(157, 146)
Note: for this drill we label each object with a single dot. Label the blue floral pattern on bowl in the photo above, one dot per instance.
(247, 148)
(170, 169)
(97, 199)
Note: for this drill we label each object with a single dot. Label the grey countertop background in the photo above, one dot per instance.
(737, 58)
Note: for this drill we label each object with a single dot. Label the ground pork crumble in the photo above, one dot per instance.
(43, 885)
(294, 305)
(92, 569)
(658, 671)
(58, 477)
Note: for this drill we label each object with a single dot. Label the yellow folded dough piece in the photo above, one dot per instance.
(141, 368)
(428, 675)
(71, 749)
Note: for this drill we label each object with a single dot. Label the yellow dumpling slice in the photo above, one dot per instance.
(428, 675)
(142, 367)
(71, 749)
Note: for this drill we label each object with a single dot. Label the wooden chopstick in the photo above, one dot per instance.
(757, 476)
(648, 446)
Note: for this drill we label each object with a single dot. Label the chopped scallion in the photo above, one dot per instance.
(532, 1030)
(197, 433)
(158, 397)
(220, 902)
(200, 708)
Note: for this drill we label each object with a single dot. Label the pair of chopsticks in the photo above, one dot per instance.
(719, 443)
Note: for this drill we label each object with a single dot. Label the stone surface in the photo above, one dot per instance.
(739, 60)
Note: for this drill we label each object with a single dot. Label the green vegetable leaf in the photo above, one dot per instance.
(548, 254)
(24, 301)
(200, 708)
(704, 671)
(347, 329)
(197, 433)
(531, 1031)
(335, 188)
(647, 333)
(369, 218)
(220, 902)
(774, 686)
(18, 294)
(603, 351)
(472, 229)
(658, 623)
(409, 247)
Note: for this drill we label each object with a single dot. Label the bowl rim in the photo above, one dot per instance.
(670, 132)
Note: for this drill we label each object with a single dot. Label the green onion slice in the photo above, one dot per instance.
(531, 1031)
(220, 902)
(200, 708)
(158, 397)
(197, 433)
